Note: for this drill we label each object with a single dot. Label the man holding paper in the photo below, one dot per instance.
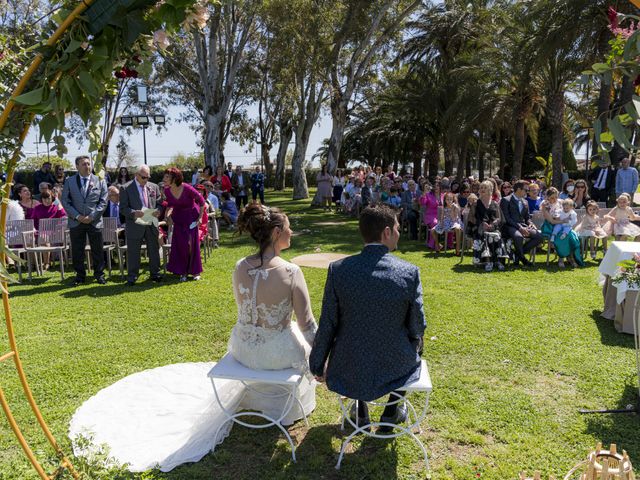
(140, 205)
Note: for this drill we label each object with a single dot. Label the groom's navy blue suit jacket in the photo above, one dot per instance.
(371, 325)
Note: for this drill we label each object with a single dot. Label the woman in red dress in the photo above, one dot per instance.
(185, 207)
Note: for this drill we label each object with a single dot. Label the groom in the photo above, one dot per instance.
(372, 321)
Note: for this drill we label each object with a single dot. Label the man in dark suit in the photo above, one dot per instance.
(84, 198)
(602, 180)
(366, 194)
(373, 343)
(241, 182)
(518, 225)
(113, 205)
(134, 196)
(411, 207)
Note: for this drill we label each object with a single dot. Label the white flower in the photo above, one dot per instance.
(161, 39)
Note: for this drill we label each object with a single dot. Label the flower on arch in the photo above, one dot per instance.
(161, 39)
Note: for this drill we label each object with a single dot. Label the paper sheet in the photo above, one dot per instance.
(147, 218)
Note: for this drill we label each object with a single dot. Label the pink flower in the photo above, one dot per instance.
(161, 39)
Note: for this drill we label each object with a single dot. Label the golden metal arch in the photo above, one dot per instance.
(65, 464)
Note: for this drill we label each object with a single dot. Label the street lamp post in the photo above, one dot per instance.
(143, 119)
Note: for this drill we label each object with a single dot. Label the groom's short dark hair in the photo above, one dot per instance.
(373, 221)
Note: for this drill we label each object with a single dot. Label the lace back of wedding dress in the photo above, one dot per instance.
(264, 336)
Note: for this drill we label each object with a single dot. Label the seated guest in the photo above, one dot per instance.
(59, 174)
(568, 188)
(580, 196)
(506, 189)
(394, 200)
(113, 205)
(485, 217)
(23, 195)
(518, 225)
(449, 221)
(568, 246)
(43, 187)
(463, 195)
(533, 197)
(43, 210)
(229, 210)
(411, 208)
(371, 347)
(46, 209)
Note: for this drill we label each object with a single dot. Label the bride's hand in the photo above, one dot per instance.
(319, 379)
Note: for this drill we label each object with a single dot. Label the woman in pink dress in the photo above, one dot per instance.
(430, 200)
(26, 201)
(46, 209)
(185, 207)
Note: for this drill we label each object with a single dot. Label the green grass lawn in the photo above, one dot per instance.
(512, 356)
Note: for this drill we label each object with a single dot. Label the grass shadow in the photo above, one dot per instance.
(619, 428)
(608, 334)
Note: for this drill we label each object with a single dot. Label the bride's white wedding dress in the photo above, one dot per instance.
(167, 416)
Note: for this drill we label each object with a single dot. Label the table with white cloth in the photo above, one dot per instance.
(619, 300)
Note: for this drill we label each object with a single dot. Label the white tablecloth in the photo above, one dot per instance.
(619, 300)
(618, 251)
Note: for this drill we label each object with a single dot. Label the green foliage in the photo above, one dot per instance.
(187, 162)
(33, 163)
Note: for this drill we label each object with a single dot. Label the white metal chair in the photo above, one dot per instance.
(166, 248)
(110, 233)
(50, 238)
(423, 384)
(286, 381)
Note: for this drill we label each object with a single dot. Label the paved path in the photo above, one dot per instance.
(317, 260)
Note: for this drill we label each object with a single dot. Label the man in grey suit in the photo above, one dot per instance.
(84, 198)
(134, 196)
(372, 320)
(518, 224)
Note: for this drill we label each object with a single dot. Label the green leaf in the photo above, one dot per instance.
(87, 83)
(631, 46)
(606, 137)
(625, 119)
(620, 133)
(73, 45)
(34, 97)
(597, 130)
(47, 126)
(601, 68)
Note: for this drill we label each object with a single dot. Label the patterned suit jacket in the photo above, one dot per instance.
(371, 325)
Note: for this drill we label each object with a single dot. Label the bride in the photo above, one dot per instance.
(167, 416)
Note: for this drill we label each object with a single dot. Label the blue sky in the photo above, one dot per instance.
(178, 138)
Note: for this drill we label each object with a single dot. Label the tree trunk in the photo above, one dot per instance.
(265, 150)
(448, 159)
(417, 152)
(480, 156)
(433, 158)
(339, 123)
(518, 153)
(300, 187)
(212, 142)
(467, 166)
(556, 116)
(286, 132)
(502, 151)
(462, 158)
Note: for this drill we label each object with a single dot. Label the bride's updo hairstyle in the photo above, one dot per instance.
(260, 221)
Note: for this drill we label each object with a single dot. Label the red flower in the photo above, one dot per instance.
(613, 17)
(636, 82)
(120, 73)
(133, 73)
(136, 59)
